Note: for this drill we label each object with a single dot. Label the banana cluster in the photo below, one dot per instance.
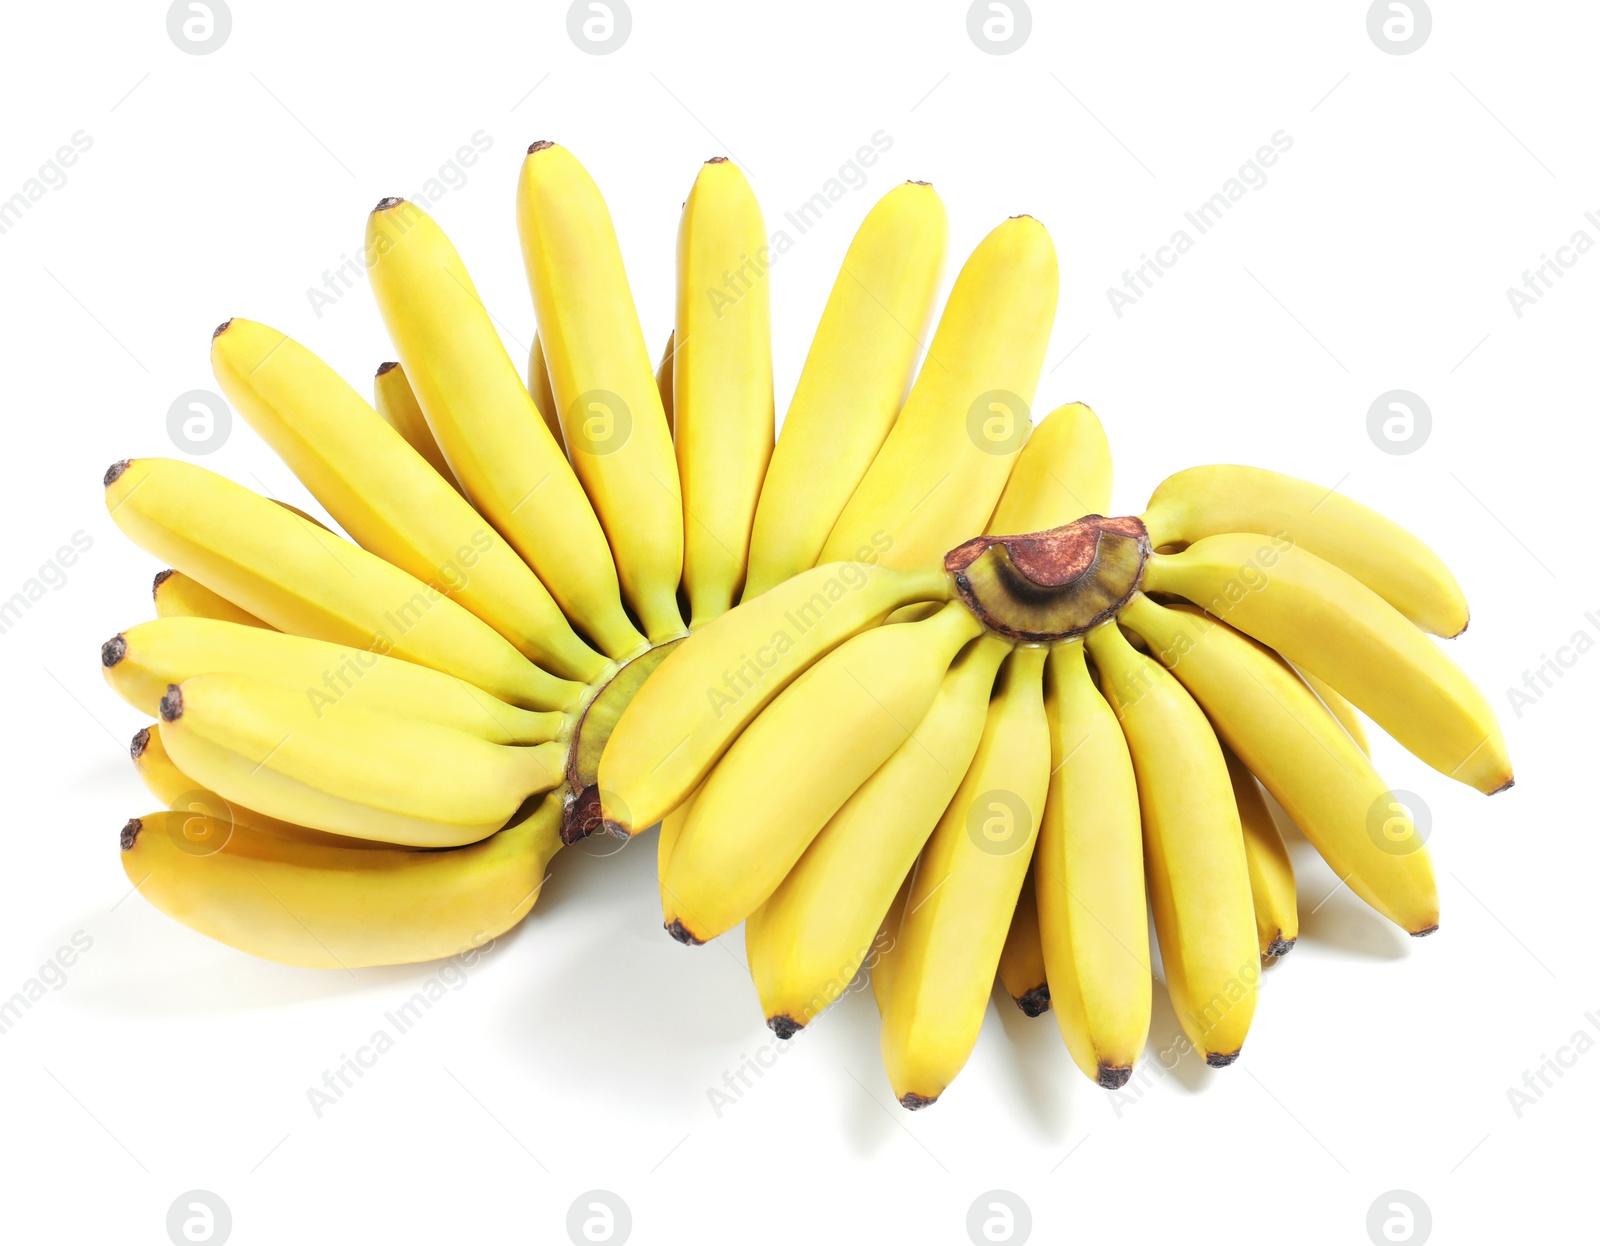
(1009, 761)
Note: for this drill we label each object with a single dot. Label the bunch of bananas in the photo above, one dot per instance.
(603, 594)
(866, 761)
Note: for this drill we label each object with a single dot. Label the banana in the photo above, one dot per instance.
(141, 662)
(178, 596)
(324, 906)
(722, 382)
(1286, 738)
(393, 399)
(1272, 887)
(492, 435)
(176, 790)
(1210, 501)
(940, 471)
(1328, 623)
(965, 891)
(853, 382)
(605, 389)
(302, 579)
(1194, 854)
(539, 391)
(797, 764)
(1062, 474)
(667, 842)
(1347, 714)
(805, 944)
(1022, 970)
(714, 683)
(1089, 873)
(384, 494)
(356, 772)
(664, 383)
(885, 944)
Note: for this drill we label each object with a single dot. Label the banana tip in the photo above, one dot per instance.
(541, 145)
(172, 704)
(1035, 1003)
(1113, 1076)
(680, 932)
(140, 742)
(1222, 1059)
(221, 328)
(784, 1026)
(162, 577)
(1425, 931)
(130, 833)
(1504, 787)
(114, 472)
(717, 160)
(911, 181)
(389, 201)
(390, 366)
(1280, 946)
(113, 651)
(912, 1102)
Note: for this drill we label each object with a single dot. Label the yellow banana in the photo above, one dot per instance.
(141, 662)
(965, 891)
(797, 764)
(1022, 970)
(303, 579)
(721, 382)
(941, 469)
(664, 382)
(853, 382)
(324, 906)
(1272, 888)
(355, 772)
(384, 494)
(1286, 738)
(1328, 623)
(179, 596)
(1349, 717)
(1194, 854)
(539, 390)
(885, 945)
(393, 400)
(1211, 501)
(671, 831)
(498, 446)
(1089, 873)
(605, 390)
(176, 790)
(1062, 474)
(714, 683)
(805, 944)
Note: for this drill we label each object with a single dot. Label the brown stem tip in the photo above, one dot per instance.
(140, 742)
(1035, 1003)
(717, 160)
(114, 650)
(388, 367)
(1113, 1076)
(389, 202)
(540, 145)
(130, 832)
(915, 1103)
(1423, 934)
(171, 706)
(1221, 1059)
(221, 328)
(680, 932)
(1280, 946)
(784, 1026)
(114, 472)
(161, 578)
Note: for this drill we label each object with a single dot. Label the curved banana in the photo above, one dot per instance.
(1194, 854)
(794, 767)
(965, 891)
(303, 579)
(355, 772)
(1328, 623)
(721, 382)
(179, 596)
(393, 399)
(1062, 474)
(384, 494)
(940, 471)
(1089, 873)
(141, 662)
(605, 389)
(1022, 970)
(885, 944)
(805, 944)
(853, 382)
(1210, 501)
(714, 683)
(539, 390)
(492, 435)
(1349, 717)
(1285, 737)
(324, 906)
(1272, 888)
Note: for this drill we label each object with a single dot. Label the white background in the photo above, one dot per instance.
(581, 1052)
